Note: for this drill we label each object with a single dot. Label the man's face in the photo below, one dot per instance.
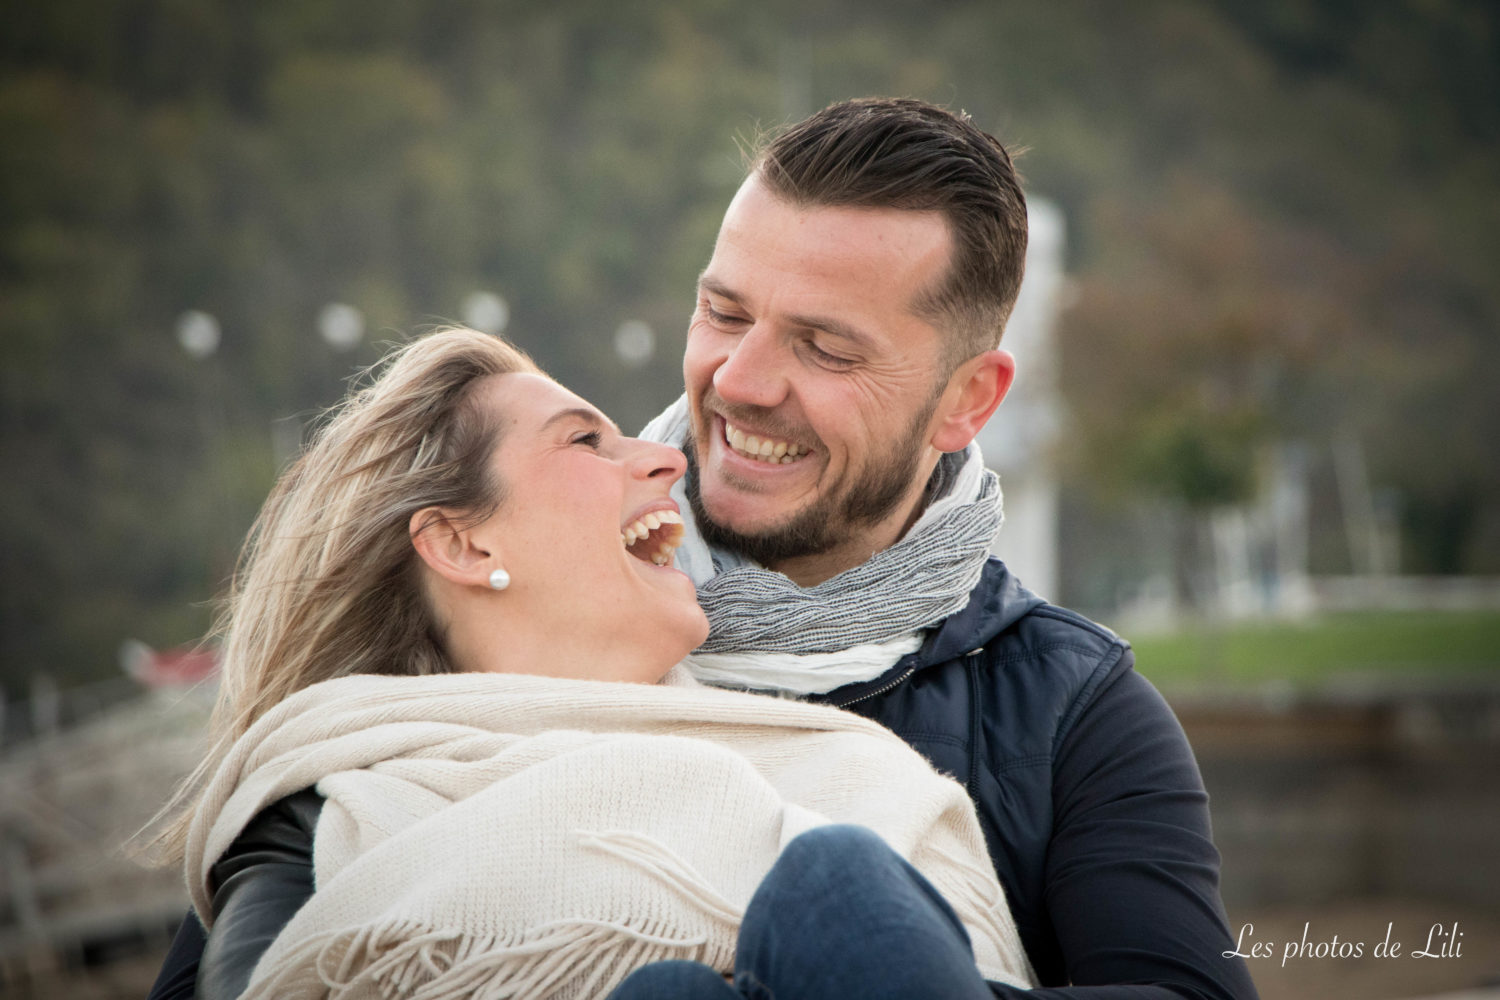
(804, 349)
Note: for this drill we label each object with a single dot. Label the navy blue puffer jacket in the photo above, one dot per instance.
(1086, 787)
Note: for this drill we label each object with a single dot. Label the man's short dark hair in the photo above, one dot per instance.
(910, 155)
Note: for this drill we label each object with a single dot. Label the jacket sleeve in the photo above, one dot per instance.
(259, 884)
(179, 971)
(1132, 875)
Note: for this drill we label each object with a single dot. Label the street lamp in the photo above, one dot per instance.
(342, 326)
(486, 312)
(635, 342)
(198, 333)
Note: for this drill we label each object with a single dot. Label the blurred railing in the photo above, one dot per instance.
(80, 773)
(48, 709)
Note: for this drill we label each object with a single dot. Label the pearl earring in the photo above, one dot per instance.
(499, 579)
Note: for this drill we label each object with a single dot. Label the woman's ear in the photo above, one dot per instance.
(449, 547)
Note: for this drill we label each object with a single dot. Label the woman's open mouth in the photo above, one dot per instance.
(653, 537)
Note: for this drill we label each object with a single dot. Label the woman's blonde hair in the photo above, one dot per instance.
(327, 583)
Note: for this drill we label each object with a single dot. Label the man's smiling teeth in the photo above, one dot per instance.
(663, 527)
(762, 449)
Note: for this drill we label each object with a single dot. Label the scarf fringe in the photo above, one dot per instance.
(572, 958)
(667, 867)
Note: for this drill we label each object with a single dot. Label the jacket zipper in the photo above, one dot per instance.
(878, 691)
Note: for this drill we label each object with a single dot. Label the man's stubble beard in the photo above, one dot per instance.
(829, 521)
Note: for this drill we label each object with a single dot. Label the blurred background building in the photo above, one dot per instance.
(1254, 428)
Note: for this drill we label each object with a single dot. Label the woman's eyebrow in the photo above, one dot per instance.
(589, 416)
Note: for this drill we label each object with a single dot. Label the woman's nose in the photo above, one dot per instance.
(657, 461)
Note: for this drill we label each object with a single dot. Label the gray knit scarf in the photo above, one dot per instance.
(769, 634)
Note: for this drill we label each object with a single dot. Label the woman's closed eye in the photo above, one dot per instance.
(589, 439)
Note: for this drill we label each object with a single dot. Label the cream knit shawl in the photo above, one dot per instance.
(501, 835)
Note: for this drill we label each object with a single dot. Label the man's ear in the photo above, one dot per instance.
(450, 548)
(975, 389)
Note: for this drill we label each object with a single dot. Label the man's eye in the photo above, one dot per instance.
(589, 439)
(824, 358)
(723, 319)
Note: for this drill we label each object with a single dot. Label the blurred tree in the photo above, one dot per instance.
(1283, 219)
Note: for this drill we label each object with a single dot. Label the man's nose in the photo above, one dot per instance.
(753, 374)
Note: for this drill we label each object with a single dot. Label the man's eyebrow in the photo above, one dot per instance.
(827, 324)
(836, 327)
(589, 416)
(710, 284)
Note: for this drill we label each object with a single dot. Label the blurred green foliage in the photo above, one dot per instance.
(1284, 220)
(1350, 648)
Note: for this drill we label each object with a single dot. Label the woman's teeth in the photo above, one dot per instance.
(663, 528)
(762, 449)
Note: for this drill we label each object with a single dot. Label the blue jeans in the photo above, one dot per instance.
(839, 915)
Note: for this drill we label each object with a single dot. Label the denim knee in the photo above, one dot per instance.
(674, 980)
(841, 914)
(828, 872)
(835, 845)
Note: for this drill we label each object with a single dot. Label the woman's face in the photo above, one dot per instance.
(586, 531)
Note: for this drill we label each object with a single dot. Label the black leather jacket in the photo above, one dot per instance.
(259, 883)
